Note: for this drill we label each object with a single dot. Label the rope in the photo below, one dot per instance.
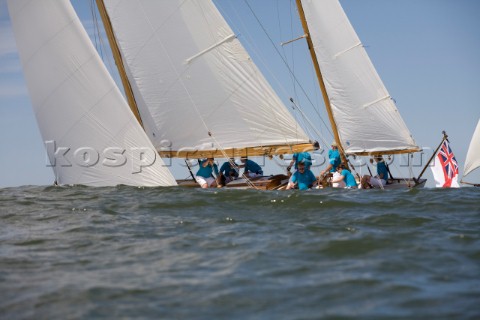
(410, 172)
(97, 34)
(308, 120)
(288, 68)
(222, 150)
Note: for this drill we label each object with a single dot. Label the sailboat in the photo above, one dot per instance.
(472, 161)
(362, 114)
(196, 89)
(92, 137)
(200, 95)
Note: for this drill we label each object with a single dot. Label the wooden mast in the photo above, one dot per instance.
(320, 79)
(118, 60)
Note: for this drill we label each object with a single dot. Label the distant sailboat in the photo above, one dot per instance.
(92, 136)
(472, 162)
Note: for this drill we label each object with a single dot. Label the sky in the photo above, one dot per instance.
(426, 52)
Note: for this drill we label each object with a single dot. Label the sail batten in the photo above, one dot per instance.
(353, 86)
(191, 76)
(228, 38)
(346, 50)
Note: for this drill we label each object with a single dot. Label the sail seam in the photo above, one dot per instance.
(21, 8)
(88, 112)
(67, 78)
(66, 27)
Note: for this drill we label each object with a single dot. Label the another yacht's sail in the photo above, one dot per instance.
(365, 114)
(92, 137)
(473, 155)
(194, 83)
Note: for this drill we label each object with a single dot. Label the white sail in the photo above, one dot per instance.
(365, 114)
(191, 77)
(92, 136)
(472, 161)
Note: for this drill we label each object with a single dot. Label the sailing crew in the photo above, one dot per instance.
(228, 172)
(252, 169)
(204, 176)
(344, 176)
(334, 159)
(303, 178)
(299, 157)
(380, 180)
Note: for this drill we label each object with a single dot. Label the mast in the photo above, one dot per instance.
(118, 60)
(320, 79)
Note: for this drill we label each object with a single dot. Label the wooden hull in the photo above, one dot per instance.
(279, 182)
(405, 183)
(260, 183)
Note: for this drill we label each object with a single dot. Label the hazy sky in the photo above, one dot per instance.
(427, 52)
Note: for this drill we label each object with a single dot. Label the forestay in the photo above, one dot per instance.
(472, 161)
(92, 137)
(194, 83)
(365, 114)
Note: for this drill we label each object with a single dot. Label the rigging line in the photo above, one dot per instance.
(321, 136)
(410, 168)
(102, 46)
(308, 120)
(291, 74)
(288, 67)
(189, 169)
(270, 99)
(292, 52)
(94, 26)
(261, 89)
(222, 150)
(292, 79)
(98, 35)
(397, 168)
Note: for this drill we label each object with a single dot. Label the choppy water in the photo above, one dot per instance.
(173, 253)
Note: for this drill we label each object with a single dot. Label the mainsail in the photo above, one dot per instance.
(91, 134)
(472, 161)
(363, 112)
(195, 85)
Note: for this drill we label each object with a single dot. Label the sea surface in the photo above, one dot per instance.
(178, 253)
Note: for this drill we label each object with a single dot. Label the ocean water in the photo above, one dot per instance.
(175, 253)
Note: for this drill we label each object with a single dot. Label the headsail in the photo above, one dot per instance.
(92, 136)
(472, 161)
(194, 83)
(364, 113)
